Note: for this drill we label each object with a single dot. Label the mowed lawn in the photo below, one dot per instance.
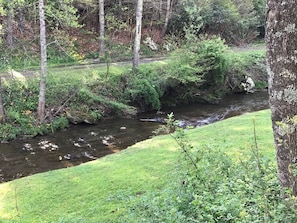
(101, 191)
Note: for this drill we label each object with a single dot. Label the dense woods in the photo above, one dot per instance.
(40, 34)
(195, 36)
(75, 27)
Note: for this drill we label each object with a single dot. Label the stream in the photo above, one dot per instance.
(83, 143)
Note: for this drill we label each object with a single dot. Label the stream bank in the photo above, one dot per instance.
(83, 143)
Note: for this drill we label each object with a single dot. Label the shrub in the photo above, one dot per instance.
(59, 123)
(144, 94)
(211, 57)
(242, 64)
(200, 66)
(210, 186)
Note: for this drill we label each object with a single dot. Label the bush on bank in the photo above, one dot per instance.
(203, 70)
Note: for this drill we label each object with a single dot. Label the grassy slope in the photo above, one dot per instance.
(99, 191)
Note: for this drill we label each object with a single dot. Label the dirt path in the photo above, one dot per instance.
(94, 63)
(249, 48)
(88, 64)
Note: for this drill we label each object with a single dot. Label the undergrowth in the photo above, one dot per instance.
(202, 70)
(211, 186)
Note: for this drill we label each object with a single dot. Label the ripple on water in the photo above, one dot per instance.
(84, 143)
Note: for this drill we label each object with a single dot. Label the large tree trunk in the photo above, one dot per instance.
(167, 16)
(102, 28)
(281, 41)
(41, 102)
(137, 39)
(2, 110)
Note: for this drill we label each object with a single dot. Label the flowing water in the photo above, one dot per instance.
(83, 143)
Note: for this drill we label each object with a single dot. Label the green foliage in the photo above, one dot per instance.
(242, 64)
(61, 88)
(20, 123)
(212, 59)
(186, 19)
(200, 66)
(8, 132)
(211, 186)
(59, 123)
(260, 7)
(203, 69)
(61, 13)
(197, 71)
(143, 90)
(63, 48)
(237, 21)
(97, 104)
(20, 99)
(21, 96)
(120, 51)
(153, 164)
(18, 59)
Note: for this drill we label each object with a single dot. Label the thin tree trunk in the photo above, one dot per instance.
(137, 39)
(2, 110)
(10, 27)
(281, 41)
(102, 28)
(21, 19)
(160, 9)
(168, 13)
(42, 90)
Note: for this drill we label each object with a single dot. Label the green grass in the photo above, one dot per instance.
(100, 191)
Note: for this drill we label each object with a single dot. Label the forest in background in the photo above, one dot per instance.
(194, 35)
(73, 27)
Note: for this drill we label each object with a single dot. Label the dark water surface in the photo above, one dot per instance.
(83, 143)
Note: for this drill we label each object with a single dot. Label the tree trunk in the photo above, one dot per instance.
(10, 27)
(21, 19)
(281, 42)
(102, 28)
(137, 39)
(168, 13)
(41, 102)
(2, 110)
(160, 9)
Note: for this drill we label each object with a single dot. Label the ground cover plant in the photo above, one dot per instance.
(149, 182)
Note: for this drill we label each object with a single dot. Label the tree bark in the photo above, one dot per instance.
(21, 19)
(42, 90)
(102, 28)
(137, 38)
(281, 42)
(2, 110)
(167, 16)
(10, 17)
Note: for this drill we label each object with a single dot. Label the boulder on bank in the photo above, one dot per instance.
(248, 85)
(150, 43)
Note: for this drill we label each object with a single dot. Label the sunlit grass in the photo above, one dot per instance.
(100, 191)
